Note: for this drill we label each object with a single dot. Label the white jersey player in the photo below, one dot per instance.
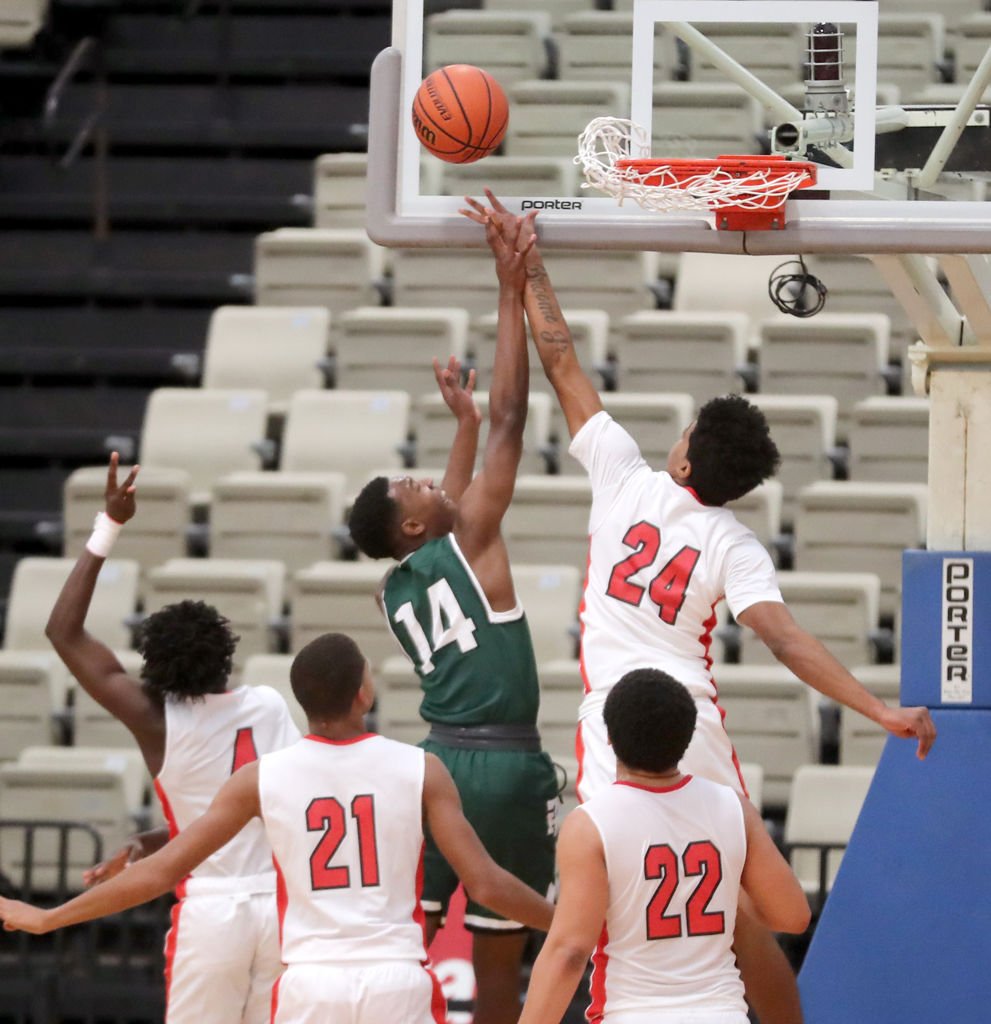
(651, 870)
(654, 581)
(344, 811)
(194, 734)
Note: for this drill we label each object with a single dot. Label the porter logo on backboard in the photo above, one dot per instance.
(956, 654)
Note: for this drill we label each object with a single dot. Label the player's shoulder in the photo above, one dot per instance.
(262, 696)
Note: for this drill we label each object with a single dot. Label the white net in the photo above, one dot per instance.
(665, 187)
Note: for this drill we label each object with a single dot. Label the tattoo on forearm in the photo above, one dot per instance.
(558, 339)
(541, 287)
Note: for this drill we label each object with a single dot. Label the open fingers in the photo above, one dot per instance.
(494, 202)
(470, 385)
(926, 734)
(112, 471)
(128, 487)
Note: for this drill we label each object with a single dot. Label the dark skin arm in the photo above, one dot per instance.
(96, 667)
(485, 500)
(232, 808)
(138, 846)
(461, 460)
(808, 659)
(488, 883)
(552, 339)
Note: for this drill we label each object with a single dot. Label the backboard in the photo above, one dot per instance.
(903, 159)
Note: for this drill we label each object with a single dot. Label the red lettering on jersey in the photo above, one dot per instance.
(700, 858)
(668, 588)
(363, 812)
(662, 862)
(244, 749)
(327, 814)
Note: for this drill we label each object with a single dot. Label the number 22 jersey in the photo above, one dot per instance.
(659, 563)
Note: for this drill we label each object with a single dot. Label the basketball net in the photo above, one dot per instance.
(606, 154)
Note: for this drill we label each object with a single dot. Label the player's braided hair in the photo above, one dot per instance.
(188, 650)
(326, 675)
(373, 519)
(650, 718)
(730, 449)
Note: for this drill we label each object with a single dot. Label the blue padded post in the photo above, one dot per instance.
(905, 937)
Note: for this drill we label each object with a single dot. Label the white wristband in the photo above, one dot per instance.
(105, 531)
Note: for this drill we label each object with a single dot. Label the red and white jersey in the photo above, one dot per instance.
(659, 563)
(345, 822)
(674, 857)
(206, 741)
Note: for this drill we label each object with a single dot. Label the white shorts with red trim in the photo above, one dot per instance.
(392, 992)
(709, 755)
(222, 958)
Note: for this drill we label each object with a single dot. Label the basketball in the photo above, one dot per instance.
(460, 113)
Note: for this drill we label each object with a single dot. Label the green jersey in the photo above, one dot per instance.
(476, 665)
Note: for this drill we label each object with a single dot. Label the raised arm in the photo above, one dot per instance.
(808, 659)
(575, 390)
(232, 808)
(489, 884)
(96, 667)
(578, 920)
(459, 399)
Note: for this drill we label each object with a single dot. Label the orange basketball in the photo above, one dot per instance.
(460, 113)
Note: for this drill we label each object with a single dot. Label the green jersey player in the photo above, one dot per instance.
(452, 606)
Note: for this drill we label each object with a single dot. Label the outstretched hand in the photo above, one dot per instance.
(120, 505)
(22, 917)
(510, 238)
(458, 397)
(113, 865)
(908, 723)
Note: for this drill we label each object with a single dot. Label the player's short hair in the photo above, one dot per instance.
(188, 650)
(730, 449)
(326, 675)
(650, 718)
(373, 519)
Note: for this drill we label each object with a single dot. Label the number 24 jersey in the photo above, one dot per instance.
(659, 563)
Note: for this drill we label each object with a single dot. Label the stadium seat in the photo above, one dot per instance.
(680, 130)
(20, 22)
(96, 796)
(558, 9)
(861, 740)
(249, 592)
(273, 670)
(291, 517)
(156, 534)
(513, 176)
(771, 719)
(393, 347)
(598, 46)
(206, 433)
(839, 608)
(398, 701)
(435, 430)
(700, 354)
(590, 336)
(774, 52)
(433, 278)
(549, 116)
(837, 354)
(804, 429)
(760, 510)
(279, 350)
(823, 807)
(340, 597)
(859, 527)
(911, 50)
(889, 440)
(36, 585)
(339, 190)
(344, 432)
(548, 520)
(512, 45)
(560, 695)
(336, 268)
(549, 595)
(129, 762)
(973, 37)
(32, 692)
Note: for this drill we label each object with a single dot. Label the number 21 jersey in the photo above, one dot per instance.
(659, 563)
